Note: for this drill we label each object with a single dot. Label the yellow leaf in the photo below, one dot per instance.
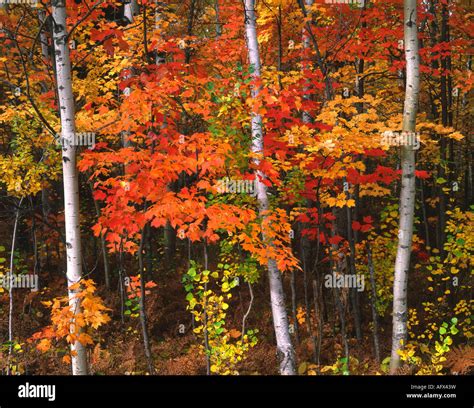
(44, 345)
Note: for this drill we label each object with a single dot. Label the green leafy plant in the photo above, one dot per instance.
(224, 348)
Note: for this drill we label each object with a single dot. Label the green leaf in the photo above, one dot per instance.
(442, 330)
(454, 320)
(189, 296)
(192, 303)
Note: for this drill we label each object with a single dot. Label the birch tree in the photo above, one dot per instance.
(280, 318)
(407, 193)
(130, 9)
(70, 173)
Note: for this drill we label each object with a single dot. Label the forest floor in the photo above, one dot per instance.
(175, 348)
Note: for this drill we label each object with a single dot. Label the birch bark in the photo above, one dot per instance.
(70, 173)
(130, 10)
(407, 193)
(285, 350)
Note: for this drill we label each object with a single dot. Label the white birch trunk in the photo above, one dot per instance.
(70, 173)
(407, 193)
(280, 318)
(130, 9)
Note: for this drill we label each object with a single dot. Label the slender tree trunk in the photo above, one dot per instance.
(143, 316)
(304, 259)
(445, 167)
(103, 245)
(306, 118)
(43, 35)
(424, 214)
(70, 175)
(306, 47)
(408, 192)
(246, 315)
(45, 207)
(340, 307)
(280, 318)
(353, 215)
(218, 23)
(10, 287)
(192, 12)
(205, 318)
(317, 294)
(373, 302)
(45, 53)
(169, 235)
(294, 306)
(354, 294)
(34, 239)
(121, 284)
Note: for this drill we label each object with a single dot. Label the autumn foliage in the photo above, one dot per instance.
(174, 268)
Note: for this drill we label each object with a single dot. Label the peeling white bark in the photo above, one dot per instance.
(407, 193)
(70, 173)
(285, 350)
